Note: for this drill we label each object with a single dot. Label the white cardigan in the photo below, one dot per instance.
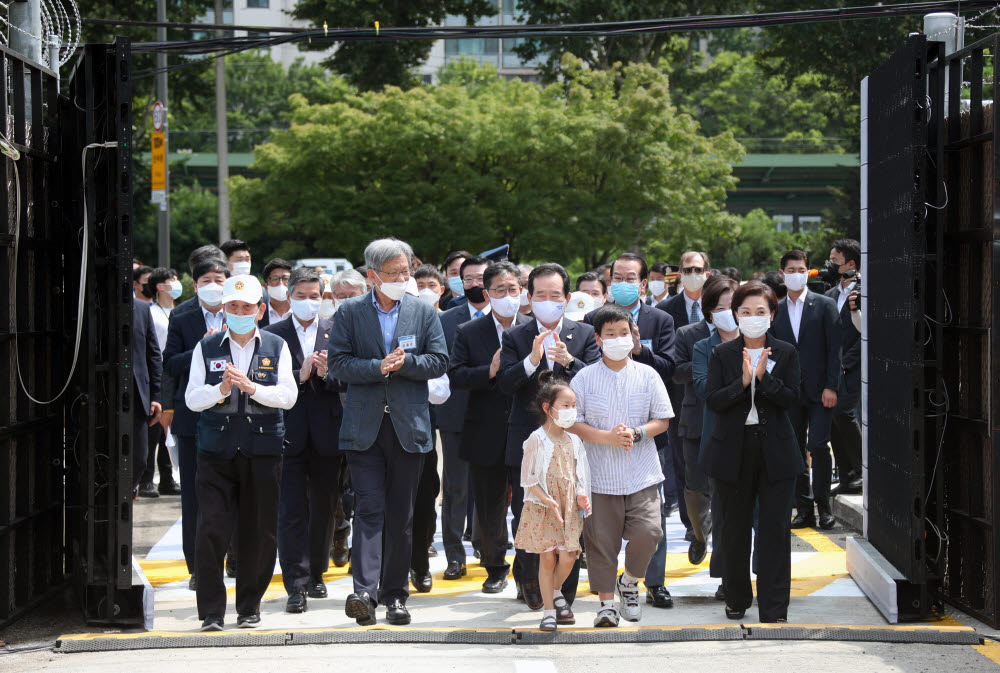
(538, 450)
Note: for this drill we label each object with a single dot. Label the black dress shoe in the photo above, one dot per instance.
(432, 552)
(520, 591)
(422, 582)
(734, 614)
(689, 535)
(720, 593)
(803, 520)
(193, 583)
(341, 554)
(147, 490)
(532, 594)
(583, 560)
(170, 487)
(496, 585)
(296, 603)
(659, 597)
(669, 510)
(316, 589)
(212, 624)
(827, 521)
(456, 570)
(396, 613)
(248, 621)
(230, 567)
(467, 535)
(361, 608)
(697, 552)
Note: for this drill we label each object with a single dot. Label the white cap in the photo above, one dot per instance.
(242, 288)
(579, 305)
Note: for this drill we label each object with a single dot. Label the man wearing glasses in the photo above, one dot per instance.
(385, 346)
(276, 275)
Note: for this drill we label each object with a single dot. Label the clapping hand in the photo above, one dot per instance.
(636, 342)
(762, 363)
(393, 361)
(538, 348)
(559, 353)
(495, 364)
(747, 368)
(235, 377)
(623, 437)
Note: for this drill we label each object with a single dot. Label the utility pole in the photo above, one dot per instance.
(222, 135)
(163, 214)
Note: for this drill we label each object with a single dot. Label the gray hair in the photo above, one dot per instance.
(350, 277)
(525, 268)
(382, 250)
(304, 275)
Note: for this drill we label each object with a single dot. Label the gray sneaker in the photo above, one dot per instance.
(628, 594)
(606, 617)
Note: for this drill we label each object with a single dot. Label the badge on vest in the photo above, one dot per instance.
(265, 363)
(408, 343)
(217, 365)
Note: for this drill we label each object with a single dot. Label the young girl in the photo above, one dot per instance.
(555, 476)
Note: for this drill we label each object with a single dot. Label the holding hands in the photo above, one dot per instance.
(583, 502)
(393, 361)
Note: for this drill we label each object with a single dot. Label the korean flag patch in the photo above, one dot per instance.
(216, 365)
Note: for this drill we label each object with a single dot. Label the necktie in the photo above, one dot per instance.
(695, 313)
(479, 314)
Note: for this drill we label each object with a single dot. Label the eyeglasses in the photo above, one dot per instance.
(693, 269)
(626, 279)
(509, 291)
(473, 280)
(394, 275)
(273, 280)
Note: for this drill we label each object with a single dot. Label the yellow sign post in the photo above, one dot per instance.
(159, 177)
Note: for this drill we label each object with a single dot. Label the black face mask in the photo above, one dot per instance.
(830, 272)
(476, 295)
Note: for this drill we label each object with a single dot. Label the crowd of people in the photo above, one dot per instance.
(309, 410)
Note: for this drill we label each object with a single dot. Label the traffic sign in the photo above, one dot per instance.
(159, 155)
(159, 116)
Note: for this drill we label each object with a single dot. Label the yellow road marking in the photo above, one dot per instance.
(818, 540)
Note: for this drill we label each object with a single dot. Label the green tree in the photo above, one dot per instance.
(193, 222)
(372, 65)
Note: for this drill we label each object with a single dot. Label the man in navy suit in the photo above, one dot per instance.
(553, 342)
(147, 369)
(310, 474)
(183, 334)
(810, 322)
(474, 368)
(385, 345)
(451, 420)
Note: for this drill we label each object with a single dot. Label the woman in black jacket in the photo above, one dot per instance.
(752, 453)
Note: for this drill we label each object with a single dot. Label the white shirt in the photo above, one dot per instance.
(755, 354)
(213, 320)
(200, 396)
(161, 320)
(306, 335)
(472, 310)
(273, 316)
(633, 396)
(795, 311)
(844, 294)
(548, 343)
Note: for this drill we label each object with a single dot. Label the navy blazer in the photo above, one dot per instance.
(777, 391)
(850, 337)
(691, 416)
(513, 381)
(677, 309)
(484, 430)
(656, 331)
(450, 416)
(317, 411)
(147, 362)
(355, 353)
(699, 377)
(818, 343)
(183, 334)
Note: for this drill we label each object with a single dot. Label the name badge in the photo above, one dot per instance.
(408, 343)
(770, 365)
(648, 343)
(217, 365)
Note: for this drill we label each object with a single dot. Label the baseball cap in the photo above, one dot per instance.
(242, 288)
(579, 305)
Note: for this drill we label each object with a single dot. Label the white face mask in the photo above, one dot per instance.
(796, 281)
(657, 287)
(411, 287)
(548, 311)
(693, 282)
(279, 293)
(305, 309)
(211, 294)
(617, 349)
(429, 296)
(327, 308)
(754, 326)
(505, 307)
(176, 289)
(564, 418)
(525, 300)
(243, 269)
(393, 291)
(724, 321)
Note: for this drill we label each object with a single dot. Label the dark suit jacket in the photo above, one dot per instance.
(850, 337)
(677, 309)
(147, 362)
(484, 431)
(188, 304)
(450, 416)
(513, 381)
(818, 344)
(317, 411)
(699, 378)
(657, 328)
(183, 333)
(691, 416)
(355, 354)
(726, 396)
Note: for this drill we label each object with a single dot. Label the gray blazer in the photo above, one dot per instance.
(355, 354)
(692, 407)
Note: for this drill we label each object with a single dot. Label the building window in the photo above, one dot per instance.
(258, 4)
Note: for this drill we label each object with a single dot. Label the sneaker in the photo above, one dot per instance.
(212, 624)
(606, 617)
(628, 594)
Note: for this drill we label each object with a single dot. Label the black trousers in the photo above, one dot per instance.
(157, 457)
(526, 564)
(774, 572)
(187, 459)
(811, 421)
(310, 489)
(845, 432)
(425, 513)
(240, 493)
(489, 492)
(140, 447)
(385, 478)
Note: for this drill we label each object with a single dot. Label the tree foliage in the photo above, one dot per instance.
(597, 163)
